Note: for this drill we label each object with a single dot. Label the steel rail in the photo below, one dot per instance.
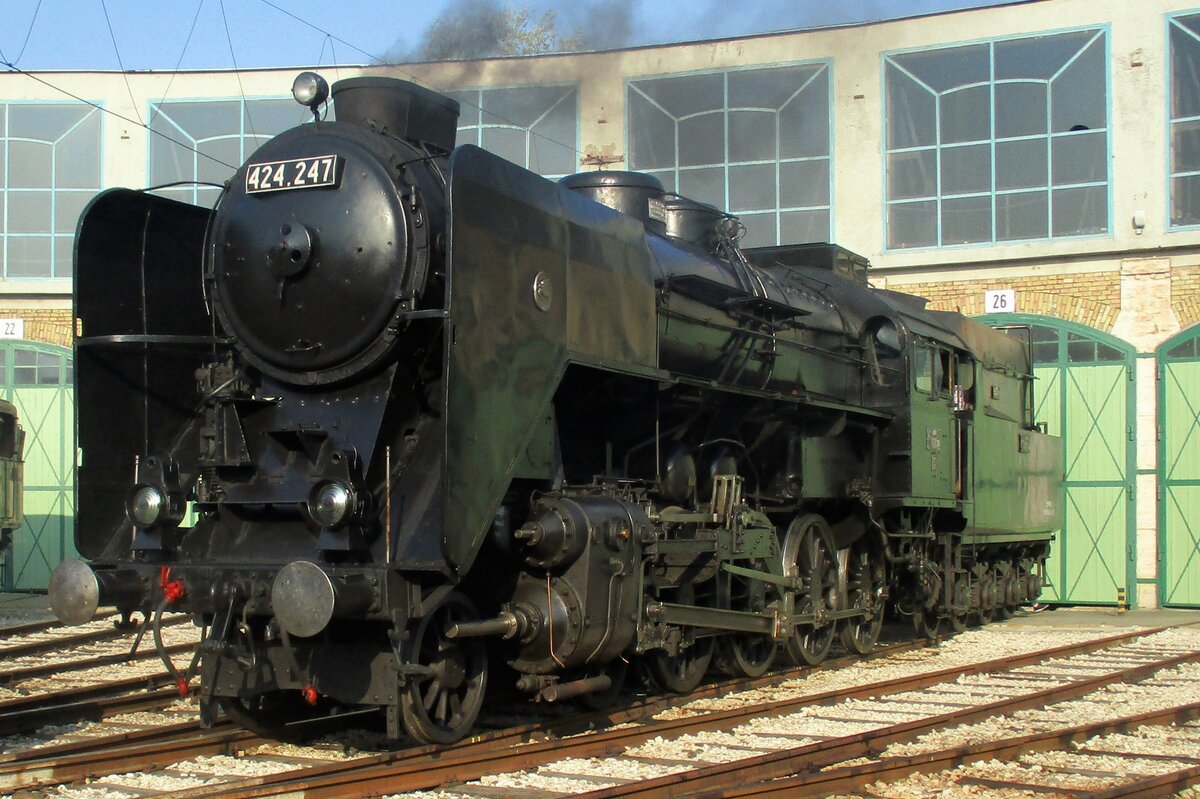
(1160, 786)
(87, 703)
(146, 750)
(79, 760)
(784, 762)
(428, 768)
(75, 639)
(83, 664)
(33, 627)
(107, 742)
(852, 778)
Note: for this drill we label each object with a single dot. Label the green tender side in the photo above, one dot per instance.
(1018, 472)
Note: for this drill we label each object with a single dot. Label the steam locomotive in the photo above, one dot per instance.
(395, 416)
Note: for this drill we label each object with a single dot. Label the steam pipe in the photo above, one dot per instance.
(570, 690)
(506, 625)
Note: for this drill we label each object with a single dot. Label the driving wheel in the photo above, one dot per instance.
(443, 696)
(747, 654)
(866, 590)
(816, 567)
(681, 673)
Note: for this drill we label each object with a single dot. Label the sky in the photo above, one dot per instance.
(163, 35)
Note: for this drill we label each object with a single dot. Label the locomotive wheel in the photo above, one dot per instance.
(927, 623)
(1006, 605)
(440, 705)
(987, 596)
(681, 673)
(958, 616)
(816, 566)
(746, 654)
(866, 587)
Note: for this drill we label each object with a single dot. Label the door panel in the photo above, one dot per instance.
(1179, 471)
(1083, 392)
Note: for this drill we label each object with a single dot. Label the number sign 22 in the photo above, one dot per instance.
(12, 328)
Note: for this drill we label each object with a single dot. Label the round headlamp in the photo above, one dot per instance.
(310, 89)
(146, 506)
(330, 504)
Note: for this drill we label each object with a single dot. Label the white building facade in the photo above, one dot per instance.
(1037, 163)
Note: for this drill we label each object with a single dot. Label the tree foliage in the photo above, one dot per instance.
(485, 28)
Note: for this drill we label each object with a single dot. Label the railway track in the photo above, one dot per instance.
(38, 638)
(15, 629)
(527, 758)
(164, 744)
(1092, 742)
(12, 674)
(60, 678)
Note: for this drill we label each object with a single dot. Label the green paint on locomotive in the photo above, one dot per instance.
(974, 443)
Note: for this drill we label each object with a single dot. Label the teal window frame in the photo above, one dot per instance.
(479, 101)
(823, 69)
(993, 195)
(1179, 121)
(248, 136)
(60, 262)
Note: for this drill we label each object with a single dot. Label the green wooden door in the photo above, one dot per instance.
(1179, 470)
(37, 379)
(1084, 391)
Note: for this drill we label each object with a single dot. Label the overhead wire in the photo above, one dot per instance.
(399, 69)
(124, 72)
(17, 70)
(319, 29)
(29, 32)
(236, 71)
(182, 53)
(328, 40)
(12, 66)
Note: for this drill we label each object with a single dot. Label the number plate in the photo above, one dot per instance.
(294, 173)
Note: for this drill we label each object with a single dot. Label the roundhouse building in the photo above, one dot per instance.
(1036, 163)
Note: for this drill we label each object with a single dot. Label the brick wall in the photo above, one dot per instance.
(47, 325)
(1185, 295)
(1090, 298)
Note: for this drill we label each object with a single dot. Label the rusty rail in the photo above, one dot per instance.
(853, 778)
(429, 768)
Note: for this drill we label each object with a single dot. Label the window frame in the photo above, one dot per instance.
(1101, 30)
(1169, 96)
(93, 108)
(824, 66)
(480, 126)
(156, 108)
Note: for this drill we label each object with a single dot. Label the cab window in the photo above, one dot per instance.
(933, 370)
(922, 366)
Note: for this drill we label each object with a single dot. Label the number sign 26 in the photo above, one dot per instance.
(1000, 301)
